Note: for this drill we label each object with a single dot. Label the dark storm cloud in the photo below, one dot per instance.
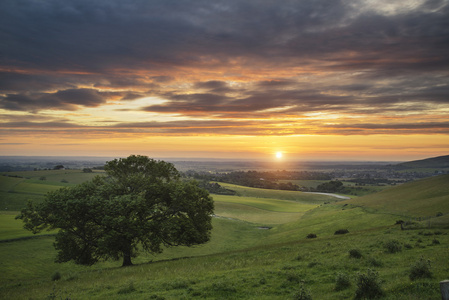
(50, 48)
(99, 35)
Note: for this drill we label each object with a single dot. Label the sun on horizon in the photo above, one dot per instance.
(279, 155)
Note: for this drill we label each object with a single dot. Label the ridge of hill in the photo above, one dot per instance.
(421, 198)
(433, 162)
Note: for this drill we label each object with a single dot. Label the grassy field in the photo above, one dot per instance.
(351, 186)
(244, 191)
(16, 188)
(243, 261)
(422, 198)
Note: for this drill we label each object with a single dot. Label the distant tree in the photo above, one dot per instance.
(42, 178)
(331, 186)
(58, 167)
(141, 202)
(87, 170)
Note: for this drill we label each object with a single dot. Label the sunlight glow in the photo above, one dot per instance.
(279, 155)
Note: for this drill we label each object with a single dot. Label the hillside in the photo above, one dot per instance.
(433, 162)
(244, 262)
(422, 198)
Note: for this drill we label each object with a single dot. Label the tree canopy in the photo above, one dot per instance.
(141, 204)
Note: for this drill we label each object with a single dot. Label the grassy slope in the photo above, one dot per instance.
(433, 162)
(275, 269)
(258, 216)
(277, 194)
(265, 272)
(421, 198)
(275, 205)
(16, 191)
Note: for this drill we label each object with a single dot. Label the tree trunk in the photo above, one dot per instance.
(127, 259)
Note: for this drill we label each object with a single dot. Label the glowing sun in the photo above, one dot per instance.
(278, 154)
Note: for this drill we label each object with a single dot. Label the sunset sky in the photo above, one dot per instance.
(239, 79)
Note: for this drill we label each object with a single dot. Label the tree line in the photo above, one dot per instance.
(264, 180)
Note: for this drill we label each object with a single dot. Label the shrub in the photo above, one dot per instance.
(368, 286)
(355, 253)
(56, 276)
(393, 246)
(302, 294)
(420, 269)
(342, 282)
(435, 242)
(341, 231)
(311, 236)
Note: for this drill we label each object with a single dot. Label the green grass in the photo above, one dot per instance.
(353, 189)
(278, 194)
(244, 262)
(16, 191)
(421, 198)
(264, 272)
(254, 215)
(55, 176)
(10, 227)
(275, 205)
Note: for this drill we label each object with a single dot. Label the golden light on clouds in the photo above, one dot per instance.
(349, 80)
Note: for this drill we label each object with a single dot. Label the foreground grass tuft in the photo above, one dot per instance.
(368, 286)
(420, 269)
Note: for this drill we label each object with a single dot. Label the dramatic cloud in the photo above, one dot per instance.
(61, 100)
(226, 67)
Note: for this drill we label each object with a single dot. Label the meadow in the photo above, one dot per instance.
(244, 261)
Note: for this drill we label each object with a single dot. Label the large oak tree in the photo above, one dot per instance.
(140, 204)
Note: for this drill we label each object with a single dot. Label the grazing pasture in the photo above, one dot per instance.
(243, 261)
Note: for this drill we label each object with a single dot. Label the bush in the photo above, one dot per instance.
(56, 276)
(311, 236)
(393, 246)
(355, 253)
(341, 231)
(368, 286)
(302, 294)
(420, 269)
(342, 282)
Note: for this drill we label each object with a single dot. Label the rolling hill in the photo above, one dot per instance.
(433, 162)
(244, 262)
(421, 198)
